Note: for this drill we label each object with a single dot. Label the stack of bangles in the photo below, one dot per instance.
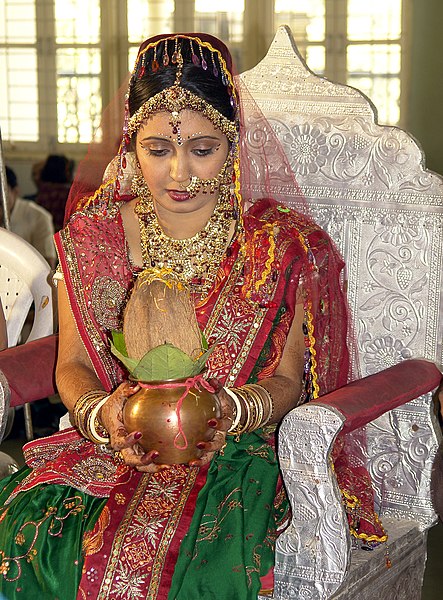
(253, 407)
(85, 416)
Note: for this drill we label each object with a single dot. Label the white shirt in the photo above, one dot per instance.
(34, 224)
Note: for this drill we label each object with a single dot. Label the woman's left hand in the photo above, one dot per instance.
(221, 426)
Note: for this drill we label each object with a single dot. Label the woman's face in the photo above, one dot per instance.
(168, 161)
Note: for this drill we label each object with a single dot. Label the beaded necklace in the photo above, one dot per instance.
(195, 260)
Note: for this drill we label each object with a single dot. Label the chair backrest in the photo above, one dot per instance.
(24, 279)
(368, 187)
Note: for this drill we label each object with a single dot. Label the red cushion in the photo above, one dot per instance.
(30, 369)
(366, 399)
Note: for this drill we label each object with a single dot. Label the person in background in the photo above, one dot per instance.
(53, 183)
(30, 221)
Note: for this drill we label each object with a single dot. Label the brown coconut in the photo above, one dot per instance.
(160, 312)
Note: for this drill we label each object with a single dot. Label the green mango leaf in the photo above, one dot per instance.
(205, 344)
(130, 363)
(199, 364)
(118, 341)
(164, 362)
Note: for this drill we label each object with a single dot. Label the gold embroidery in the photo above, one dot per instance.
(108, 300)
(11, 566)
(92, 332)
(210, 526)
(143, 537)
(93, 540)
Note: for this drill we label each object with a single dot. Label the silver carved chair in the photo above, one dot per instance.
(368, 187)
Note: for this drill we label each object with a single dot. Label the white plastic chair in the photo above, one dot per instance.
(25, 278)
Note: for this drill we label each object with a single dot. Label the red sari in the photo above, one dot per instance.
(212, 530)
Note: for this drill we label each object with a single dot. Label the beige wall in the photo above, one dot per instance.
(424, 106)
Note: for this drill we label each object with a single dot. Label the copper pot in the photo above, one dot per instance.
(171, 420)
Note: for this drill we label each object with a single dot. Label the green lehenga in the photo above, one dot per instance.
(41, 539)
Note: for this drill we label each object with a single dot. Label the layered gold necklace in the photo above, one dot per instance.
(195, 260)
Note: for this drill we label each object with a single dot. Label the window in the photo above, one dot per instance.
(360, 43)
(146, 19)
(78, 68)
(18, 66)
(308, 25)
(224, 19)
(61, 60)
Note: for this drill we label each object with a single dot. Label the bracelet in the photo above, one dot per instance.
(98, 433)
(243, 398)
(258, 408)
(237, 409)
(270, 403)
(81, 406)
(255, 405)
(85, 416)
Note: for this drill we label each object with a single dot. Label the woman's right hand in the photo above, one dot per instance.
(111, 416)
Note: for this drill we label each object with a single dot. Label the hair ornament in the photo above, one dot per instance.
(175, 53)
(195, 59)
(142, 66)
(155, 66)
(214, 66)
(179, 62)
(165, 55)
(204, 64)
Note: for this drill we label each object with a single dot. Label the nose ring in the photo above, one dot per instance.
(183, 186)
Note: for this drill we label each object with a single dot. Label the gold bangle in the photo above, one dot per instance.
(98, 433)
(267, 398)
(242, 393)
(256, 401)
(82, 414)
(237, 411)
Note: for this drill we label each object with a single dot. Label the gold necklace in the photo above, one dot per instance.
(195, 260)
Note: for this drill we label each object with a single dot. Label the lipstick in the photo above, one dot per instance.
(178, 196)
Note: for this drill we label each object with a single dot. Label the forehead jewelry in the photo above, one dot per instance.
(176, 98)
(175, 121)
(181, 141)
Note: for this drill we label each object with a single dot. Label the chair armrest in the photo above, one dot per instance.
(313, 553)
(366, 399)
(29, 369)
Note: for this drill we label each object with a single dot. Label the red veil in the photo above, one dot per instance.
(264, 172)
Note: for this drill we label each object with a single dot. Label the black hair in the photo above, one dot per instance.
(11, 178)
(57, 169)
(201, 82)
